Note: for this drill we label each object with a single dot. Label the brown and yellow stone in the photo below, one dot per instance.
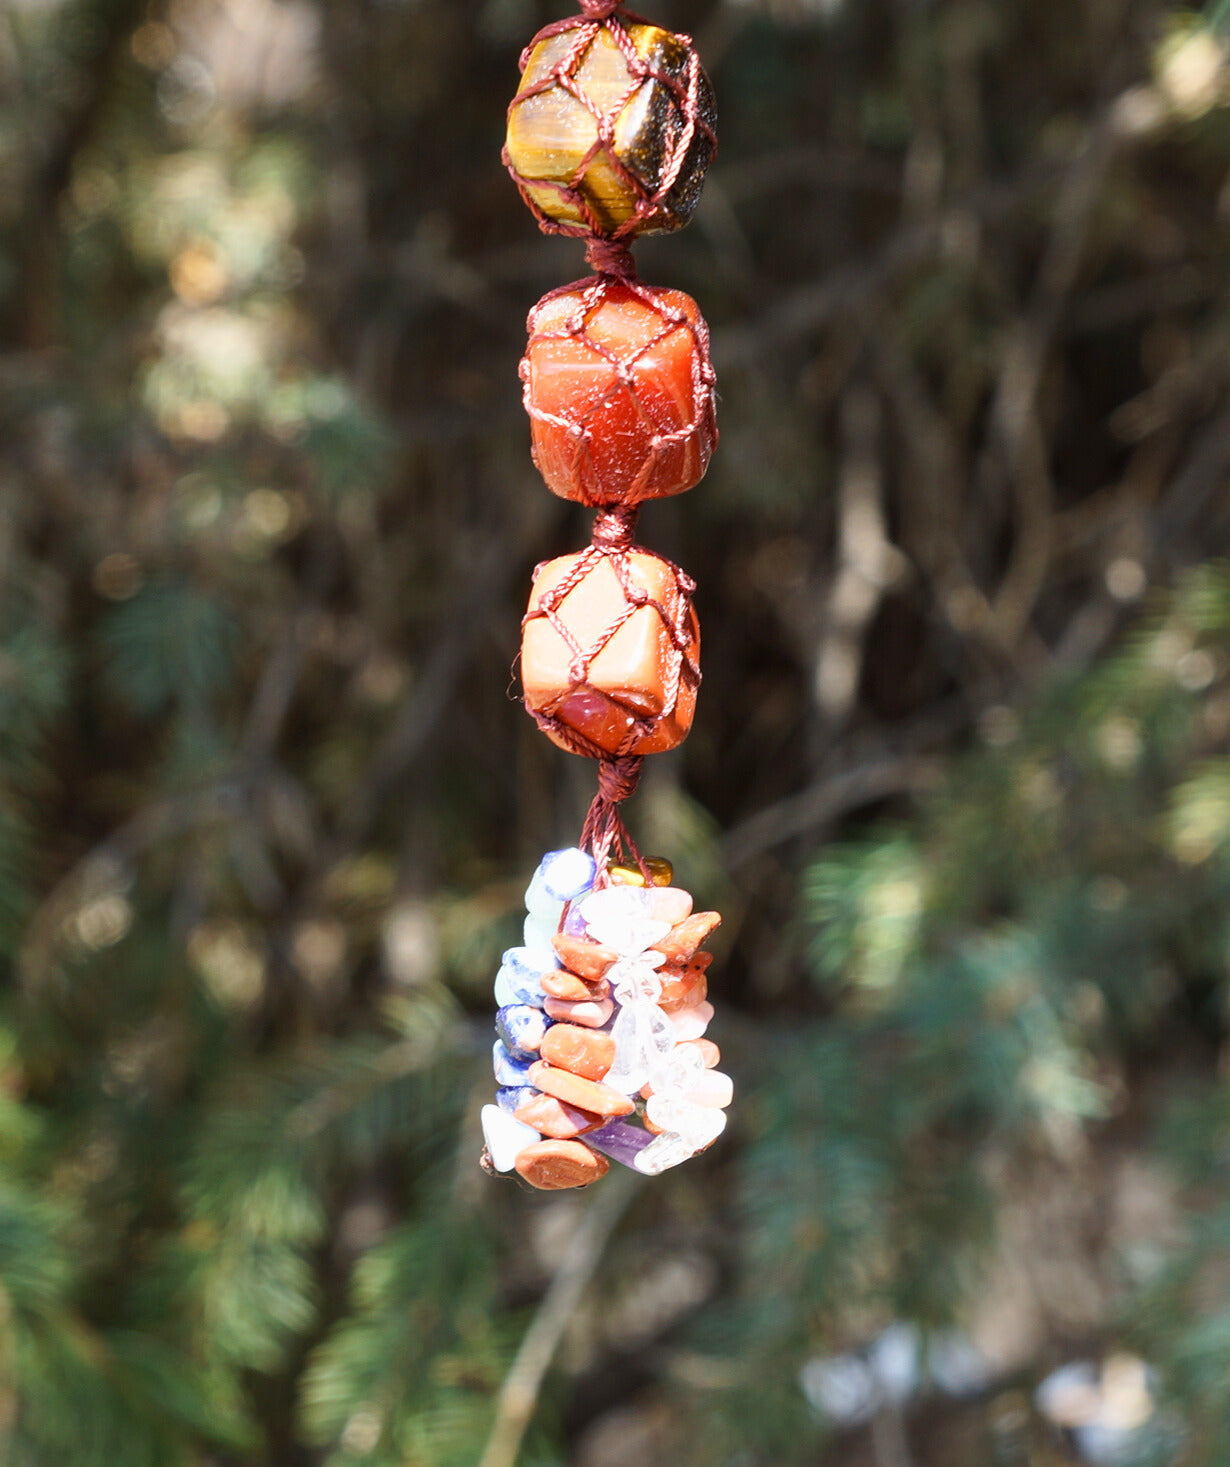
(661, 873)
(552, 134)
(554, 1165)
(575, 1090)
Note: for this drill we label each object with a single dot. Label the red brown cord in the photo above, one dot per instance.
(611, 257)
(604, 831)
(650, 206)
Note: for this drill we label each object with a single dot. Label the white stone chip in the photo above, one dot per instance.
(506, 1137)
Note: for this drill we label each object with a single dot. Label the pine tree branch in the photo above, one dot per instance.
(519, 1393)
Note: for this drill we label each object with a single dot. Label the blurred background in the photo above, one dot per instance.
(960, 777)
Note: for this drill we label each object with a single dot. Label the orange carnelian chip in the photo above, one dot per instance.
(586, 1052)
(575, 1090)
(557, 1120)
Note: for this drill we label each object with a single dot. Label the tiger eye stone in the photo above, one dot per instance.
(567, 159)
(661, 873)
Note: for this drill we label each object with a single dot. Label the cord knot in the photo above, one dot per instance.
(614, 526)
(599, 9)
(610, 257)
(618, 778)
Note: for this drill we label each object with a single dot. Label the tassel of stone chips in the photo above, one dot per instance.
(601, 1054)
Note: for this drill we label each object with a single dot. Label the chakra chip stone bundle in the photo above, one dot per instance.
(601, 1052)
(602, 1015)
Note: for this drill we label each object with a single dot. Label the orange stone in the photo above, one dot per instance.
(554, 1165)
(582, 956)
(586, 1052)
(575, 1090)
(560, 983)
(682, 987)
(631, 690)
(620, 393)
(681, 942)
(591, 1012)
(553, 1118)
(709, 1051)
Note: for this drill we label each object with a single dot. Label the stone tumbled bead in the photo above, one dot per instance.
(634, 695)
(521, 1027)
(572, 175)
(681, 942)
(682, 987)
(619, 392)
(505, 1137)
(580, 955)
(512, 1097)
(508, 1069)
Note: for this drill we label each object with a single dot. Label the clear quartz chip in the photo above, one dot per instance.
(662, 1153)
(697, 1125)
(643, 1035)
(620, 917)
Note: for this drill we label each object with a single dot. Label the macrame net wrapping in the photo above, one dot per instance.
(663, 194)
(619, 765)
(635, 435)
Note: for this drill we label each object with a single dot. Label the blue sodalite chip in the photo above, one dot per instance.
(521, 1027)
(512, 1097)
(508, 1070)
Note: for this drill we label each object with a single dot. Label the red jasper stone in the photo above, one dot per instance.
(553, 1165)
(619, 390)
